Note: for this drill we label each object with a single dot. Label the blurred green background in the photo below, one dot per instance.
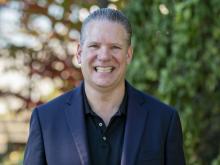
(176, 58)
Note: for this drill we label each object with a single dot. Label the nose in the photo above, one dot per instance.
(104, 54)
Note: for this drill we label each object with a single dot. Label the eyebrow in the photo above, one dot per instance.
(114, 43)
(93, 42)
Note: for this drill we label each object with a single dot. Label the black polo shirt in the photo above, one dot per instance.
(105, 143)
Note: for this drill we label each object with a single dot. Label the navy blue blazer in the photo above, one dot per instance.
(153, 134)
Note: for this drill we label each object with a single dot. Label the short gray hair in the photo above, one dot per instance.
(109, 15)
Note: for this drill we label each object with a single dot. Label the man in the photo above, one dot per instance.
(105, 121)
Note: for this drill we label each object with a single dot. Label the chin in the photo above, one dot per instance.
(103, 84)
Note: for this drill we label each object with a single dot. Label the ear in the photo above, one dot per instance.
(79, 53)
(129, 54)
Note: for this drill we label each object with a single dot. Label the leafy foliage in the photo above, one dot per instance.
(176, 58)
(44, 55)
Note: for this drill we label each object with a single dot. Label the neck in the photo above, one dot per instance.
(105, 103)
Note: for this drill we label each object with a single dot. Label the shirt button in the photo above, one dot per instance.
(100, 124)
(104, 138)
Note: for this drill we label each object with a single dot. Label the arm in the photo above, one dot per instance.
(174, 143)
(34, 152)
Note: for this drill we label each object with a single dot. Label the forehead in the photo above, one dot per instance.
(105, 29)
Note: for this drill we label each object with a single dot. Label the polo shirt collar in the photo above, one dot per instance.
(122, 109)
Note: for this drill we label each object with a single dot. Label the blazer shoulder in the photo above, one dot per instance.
(59, 102)
(158, 110)
(154, 103)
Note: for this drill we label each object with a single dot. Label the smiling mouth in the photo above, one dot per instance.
(104, 69)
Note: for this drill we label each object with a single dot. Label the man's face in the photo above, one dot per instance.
(104, 54)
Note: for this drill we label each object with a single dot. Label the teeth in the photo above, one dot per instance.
(103, 69)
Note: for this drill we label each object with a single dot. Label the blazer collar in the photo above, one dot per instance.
(76, 121)
(135, 123)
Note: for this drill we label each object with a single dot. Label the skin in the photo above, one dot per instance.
(104, 56)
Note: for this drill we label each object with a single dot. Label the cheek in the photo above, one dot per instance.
(88, 58)
(121, 59)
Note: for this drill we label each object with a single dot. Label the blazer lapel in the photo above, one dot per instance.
(135, 123)
(76, 122)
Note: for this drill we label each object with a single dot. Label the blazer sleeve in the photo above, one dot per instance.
(174, 144)
(34, 151)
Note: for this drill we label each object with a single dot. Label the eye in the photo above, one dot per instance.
(93, 46)
(115, 47)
